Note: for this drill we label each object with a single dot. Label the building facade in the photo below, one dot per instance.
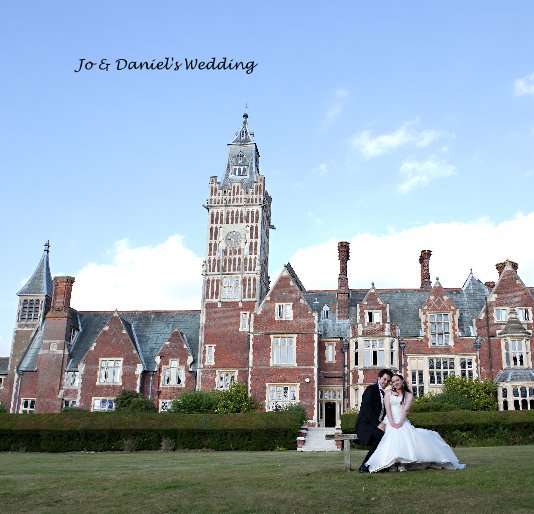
(318, 348)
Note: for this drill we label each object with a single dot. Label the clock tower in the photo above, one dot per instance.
(235, 269)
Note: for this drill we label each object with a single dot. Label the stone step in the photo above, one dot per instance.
(315, 440)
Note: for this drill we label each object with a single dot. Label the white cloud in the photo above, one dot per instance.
(316, 219)
(524, 85)
(373, 146)
(165, 276)
(421, 173)
(392, 260)
(340, 98)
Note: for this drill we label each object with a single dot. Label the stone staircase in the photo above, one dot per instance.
(312, 439)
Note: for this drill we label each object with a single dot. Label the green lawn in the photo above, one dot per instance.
(497, 479)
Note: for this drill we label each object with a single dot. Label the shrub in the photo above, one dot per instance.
(235, 399)
(459, 394)
(130, 401)
(297, 408)
(3, 410)
(198, 402)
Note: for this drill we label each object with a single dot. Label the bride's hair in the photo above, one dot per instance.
(405, 388)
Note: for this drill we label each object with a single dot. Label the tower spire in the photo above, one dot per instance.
(40, 282)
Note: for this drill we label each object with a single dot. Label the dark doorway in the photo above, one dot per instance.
(330, 414)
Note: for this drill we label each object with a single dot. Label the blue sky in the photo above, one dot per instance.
(397, 126)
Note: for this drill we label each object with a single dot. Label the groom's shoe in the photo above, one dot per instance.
(364, 469)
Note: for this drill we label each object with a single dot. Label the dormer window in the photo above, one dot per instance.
(373, 317)
(325, 312)
(439, 329)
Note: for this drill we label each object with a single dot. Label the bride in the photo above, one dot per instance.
(404, 446)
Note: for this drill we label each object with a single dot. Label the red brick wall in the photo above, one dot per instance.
(303, 325)
(112, 343)
(174, 348)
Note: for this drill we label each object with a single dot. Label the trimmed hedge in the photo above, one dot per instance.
(93, 431)
(467, 428)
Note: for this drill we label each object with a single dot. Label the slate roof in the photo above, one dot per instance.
(404, 305)
(40, 282)
(29, 359)
(515, 375)
(328, 328)
(149, 330)
(4, 363)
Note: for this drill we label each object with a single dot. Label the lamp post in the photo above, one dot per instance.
(402, 346)
(345, 351)
(478, 345)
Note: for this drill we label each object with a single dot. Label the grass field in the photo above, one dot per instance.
(497, 479)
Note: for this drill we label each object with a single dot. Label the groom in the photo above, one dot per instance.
(369, 426)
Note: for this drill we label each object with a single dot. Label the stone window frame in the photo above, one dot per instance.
(70, 404)
(108, 406)
(231, 288)
(210, 355)
(167, 374)
(276, 395)
(516, 396)
(440, 329)
(524, 314)
(283, 311)
(330, 351)
(420, 366)
(3, 380)
(227, 375)
(27, 405)
(373, 317)
(508, 354)
(71, 379)
(371, 349)
(500, 314)
(103, 372)
(243, 321)
(165, 405)
(325, 312)
(277, 355)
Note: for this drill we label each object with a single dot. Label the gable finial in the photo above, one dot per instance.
(47, 246)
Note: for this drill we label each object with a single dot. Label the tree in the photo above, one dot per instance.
(236, 399)
(131, 401)
(198, 402)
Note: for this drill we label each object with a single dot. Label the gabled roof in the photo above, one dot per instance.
(40, 282)
(294, 277)
(149, 330)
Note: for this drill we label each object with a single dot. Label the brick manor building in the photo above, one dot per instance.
(289, 344)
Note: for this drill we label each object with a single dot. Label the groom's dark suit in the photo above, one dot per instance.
(369, 418)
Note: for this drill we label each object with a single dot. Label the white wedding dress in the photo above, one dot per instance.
(415, 448)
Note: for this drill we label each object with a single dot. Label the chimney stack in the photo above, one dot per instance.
(343, 293)
(501, 265)
(61, 295)
(424, 261)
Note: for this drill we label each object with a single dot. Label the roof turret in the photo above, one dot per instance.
(40, 282)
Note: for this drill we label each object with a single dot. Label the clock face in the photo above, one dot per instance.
(233, 239)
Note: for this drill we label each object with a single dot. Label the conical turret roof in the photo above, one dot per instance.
(40, 282)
